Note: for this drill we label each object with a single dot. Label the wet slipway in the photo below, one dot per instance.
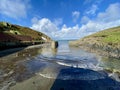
(64, 68)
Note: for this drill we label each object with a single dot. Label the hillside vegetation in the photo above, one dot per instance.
(107, 41)
(11, 29)
(17, 36)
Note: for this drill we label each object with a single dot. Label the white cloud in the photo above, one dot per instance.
(14, 8)
(68, 32)
(58, 21)
(75, 15)
(94, 26)
(109, 18)
(49, 28)
(92, 10)
(46, 26)
(34, 20)
(112, 13)
(102, 21)
(84, 20)
(94, 6)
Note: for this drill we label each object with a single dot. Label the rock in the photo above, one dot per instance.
(7, 74)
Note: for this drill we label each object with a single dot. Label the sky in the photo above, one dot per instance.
(62, 19)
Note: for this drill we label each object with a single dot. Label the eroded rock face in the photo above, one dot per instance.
(103, 49)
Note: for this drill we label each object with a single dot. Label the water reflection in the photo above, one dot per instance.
(49, 52)
(112, 66)
(12, 68)
(63, 47)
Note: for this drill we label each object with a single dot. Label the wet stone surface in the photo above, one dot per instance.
(65, 68)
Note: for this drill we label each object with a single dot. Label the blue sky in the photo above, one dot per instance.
(62, 19)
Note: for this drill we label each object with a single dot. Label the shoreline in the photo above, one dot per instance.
(101, 50)
(12, 50)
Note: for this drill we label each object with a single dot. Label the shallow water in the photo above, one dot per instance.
(65, 68)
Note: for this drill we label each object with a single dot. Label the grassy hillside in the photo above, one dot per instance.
(11, 29)
(12, 36)
(109, 36)
(107, 40)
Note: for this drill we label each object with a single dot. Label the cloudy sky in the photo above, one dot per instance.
(62, 19)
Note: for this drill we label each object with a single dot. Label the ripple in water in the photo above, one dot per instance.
(72, 63)
(76, 74)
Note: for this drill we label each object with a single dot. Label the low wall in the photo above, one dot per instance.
(54, 44)
(8, 45)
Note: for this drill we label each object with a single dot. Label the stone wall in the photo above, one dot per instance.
(54, 44)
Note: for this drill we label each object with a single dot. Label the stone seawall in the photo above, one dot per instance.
(9, 45)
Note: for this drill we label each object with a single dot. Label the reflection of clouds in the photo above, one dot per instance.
(84, 65)
(63, 47)
(48, 52)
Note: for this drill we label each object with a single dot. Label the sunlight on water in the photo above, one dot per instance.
(63, 47)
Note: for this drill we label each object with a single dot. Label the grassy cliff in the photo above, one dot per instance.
(8, 28)
(107, 41)
(15, 35)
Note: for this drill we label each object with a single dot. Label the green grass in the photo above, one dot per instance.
(112, 38)
(111, 35)
(106, 42)
(105, 37)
